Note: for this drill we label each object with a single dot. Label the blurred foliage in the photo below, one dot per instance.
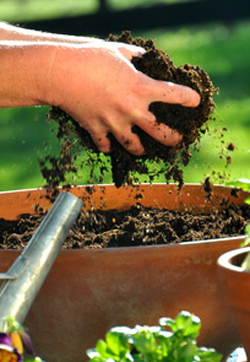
(117, 4)
(221, 49)
(23, 10)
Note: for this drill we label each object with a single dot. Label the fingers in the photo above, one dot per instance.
(160, 132)
(101, 141)
(169, 92)
(130, 141)
(127, 139)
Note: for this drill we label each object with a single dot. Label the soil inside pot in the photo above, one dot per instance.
(137, 226)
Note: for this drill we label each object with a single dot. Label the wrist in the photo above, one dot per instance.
(25, 68)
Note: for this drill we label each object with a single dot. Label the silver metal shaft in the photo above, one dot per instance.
(27, 274)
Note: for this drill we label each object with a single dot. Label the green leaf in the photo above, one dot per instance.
(209, 355)
(186, 353)
(144, 341)
(124, 332)
(188, 323)
(247, 201)
(155, 344)
(10, 324)
(117, 342)
(247, 230)
(242, 183)
(246, 242)
(165, 342)
(246, 263)
(166, 322)
(115, 348)
(102, 349)
(92, 353)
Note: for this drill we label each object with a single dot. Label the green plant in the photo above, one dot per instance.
(244, 184)
(174, 340)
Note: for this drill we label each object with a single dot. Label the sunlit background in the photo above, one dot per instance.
(222, 48)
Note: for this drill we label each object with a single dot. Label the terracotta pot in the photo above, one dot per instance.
(89, 291)
(235, 284)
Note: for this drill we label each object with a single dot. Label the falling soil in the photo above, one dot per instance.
(191, 123)
(137, 226)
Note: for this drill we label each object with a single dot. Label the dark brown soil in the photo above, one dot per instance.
(137, 226)
(190, 122)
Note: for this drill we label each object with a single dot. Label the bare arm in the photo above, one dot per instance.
(25, 67)
(10, 32)
(94, 82)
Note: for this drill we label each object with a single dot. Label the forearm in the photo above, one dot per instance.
(10, 32)
(94, 83)
(25, 69)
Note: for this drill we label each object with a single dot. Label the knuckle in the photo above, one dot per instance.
(136, 114)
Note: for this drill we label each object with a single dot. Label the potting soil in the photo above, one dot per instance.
(191, 123)
(137, 226)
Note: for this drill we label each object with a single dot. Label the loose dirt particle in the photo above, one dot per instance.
(191, 123)
(137, 226)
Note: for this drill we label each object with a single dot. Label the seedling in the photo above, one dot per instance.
(244, 184)
(173, 340)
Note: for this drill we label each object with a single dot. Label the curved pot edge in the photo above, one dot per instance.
(226, 260)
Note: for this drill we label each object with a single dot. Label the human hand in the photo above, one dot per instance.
(100, 88)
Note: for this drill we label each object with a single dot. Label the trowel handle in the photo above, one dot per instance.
(31, 268)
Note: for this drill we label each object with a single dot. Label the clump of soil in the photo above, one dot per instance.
(191, 123)
(137, 226)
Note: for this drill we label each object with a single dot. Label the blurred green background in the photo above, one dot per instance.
(222, 49)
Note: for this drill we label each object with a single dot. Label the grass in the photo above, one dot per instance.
(119, 5)
(24, 138)
(223, 51)
(24, 10)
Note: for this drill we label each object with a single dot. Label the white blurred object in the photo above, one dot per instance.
(238, 355)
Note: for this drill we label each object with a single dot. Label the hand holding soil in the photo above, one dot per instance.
(147, 109)
(101, 89)
(89, 79)
(128, 97)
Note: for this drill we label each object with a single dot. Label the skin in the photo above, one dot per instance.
(92, 80)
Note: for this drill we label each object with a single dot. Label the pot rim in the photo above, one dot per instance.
(124, 186)
(187, 190)
(190, 244)
(226, 260)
